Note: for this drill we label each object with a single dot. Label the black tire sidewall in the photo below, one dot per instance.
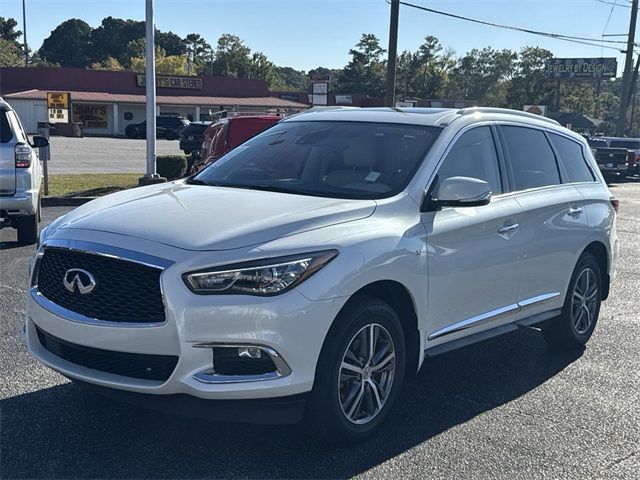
(587, 260)
(325, 405)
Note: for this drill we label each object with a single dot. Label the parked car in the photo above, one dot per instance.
(633, 146)
(20, 176)
(612, 162)
(228, 133)
(191, 137)
(308, 271)
(167, 126)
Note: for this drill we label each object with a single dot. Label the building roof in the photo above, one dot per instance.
(174, 100)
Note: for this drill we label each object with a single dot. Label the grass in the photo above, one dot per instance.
(90, 184)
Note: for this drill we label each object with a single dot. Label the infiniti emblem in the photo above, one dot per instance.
(79, 280)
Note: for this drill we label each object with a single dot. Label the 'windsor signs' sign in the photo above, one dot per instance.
(581, 68)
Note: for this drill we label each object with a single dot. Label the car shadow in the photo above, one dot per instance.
(67, 432)
(10, 245)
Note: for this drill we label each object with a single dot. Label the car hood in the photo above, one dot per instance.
(200, 217)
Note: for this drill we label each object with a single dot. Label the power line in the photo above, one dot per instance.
(557, 36)
(614, 3)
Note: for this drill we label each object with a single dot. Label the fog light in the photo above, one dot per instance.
(249, 352)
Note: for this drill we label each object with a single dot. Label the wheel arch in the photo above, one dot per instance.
(599, 250)
(400, 299)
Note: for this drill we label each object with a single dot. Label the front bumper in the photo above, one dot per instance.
(289, 324)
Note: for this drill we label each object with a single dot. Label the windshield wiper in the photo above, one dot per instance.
(267, 188)
(196, 181)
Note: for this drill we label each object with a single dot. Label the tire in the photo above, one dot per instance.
(334, 411)
(28, 228)
(171, 135)
(573, 328)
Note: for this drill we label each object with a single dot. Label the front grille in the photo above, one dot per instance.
(136, 365)
(124, 292)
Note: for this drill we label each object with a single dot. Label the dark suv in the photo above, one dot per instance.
(191, 137)
(166, 127)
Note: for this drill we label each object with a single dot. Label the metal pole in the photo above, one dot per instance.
(626, 77)
(24, 33)
(150, 73)
(393, 50)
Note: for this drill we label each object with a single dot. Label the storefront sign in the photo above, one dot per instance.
(91, 116)
(581, 68)
(59, 100)
(164, 81)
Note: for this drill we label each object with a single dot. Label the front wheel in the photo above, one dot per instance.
(359, 373)
(575, 325)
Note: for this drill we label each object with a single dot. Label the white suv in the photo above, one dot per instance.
(20, 177)
(311, 269)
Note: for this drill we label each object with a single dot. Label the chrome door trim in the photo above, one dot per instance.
(493, 315)
(474, 321)
(538, 299)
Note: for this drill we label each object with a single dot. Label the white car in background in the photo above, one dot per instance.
(312, 268)
(20, 176)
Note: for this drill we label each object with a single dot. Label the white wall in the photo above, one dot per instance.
(30, 112)
(138, 112)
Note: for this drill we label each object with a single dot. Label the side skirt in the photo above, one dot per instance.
(492, 332)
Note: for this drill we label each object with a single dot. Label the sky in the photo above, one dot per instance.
(305, 34)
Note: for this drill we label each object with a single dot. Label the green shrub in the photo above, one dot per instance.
(171, 166)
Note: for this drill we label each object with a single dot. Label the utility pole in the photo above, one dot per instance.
(150, 89)
(393, 50)
(24, 33)
(626, 77)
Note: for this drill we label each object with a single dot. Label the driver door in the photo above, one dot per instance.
(474, 253)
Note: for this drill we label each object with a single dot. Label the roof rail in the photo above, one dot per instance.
(506, 111)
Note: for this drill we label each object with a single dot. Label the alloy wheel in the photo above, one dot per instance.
(584, 301)
(366, 374)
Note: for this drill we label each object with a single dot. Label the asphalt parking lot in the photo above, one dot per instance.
(103, 155)
(507, 408)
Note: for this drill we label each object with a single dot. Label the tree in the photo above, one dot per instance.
(110, 64)
(366, 72)
(9, 54)
(479, 74)
(170, 43)
(8, 32)
(112, 37)
(290, 79)
(232, 57)
(165, 64)
(69, 44)
(263, 69)
(528, 85)
(198, 52)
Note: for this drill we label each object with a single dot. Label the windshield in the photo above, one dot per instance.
(329, 159)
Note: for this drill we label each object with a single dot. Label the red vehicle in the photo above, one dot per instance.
(228, 133)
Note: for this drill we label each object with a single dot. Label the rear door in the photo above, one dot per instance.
(553, 223)
(7, 155)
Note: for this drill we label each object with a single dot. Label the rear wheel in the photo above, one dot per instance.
(360, 372)
(575, 325)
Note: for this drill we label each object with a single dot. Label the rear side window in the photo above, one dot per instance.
(533, 163)
(572, 159)
(5, 129)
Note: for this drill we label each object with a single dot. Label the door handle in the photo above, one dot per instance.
(574, 211)
(508, 230)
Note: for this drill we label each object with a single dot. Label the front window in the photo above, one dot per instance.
(329, 159)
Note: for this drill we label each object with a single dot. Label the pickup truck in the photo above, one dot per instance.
(612, 161)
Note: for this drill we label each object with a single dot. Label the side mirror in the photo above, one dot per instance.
(40, 142)
(461, 192)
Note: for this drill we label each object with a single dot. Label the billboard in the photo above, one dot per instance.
(58, 107)
(91, 115)
(581, 68)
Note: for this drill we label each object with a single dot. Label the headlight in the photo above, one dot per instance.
(265, 277)
(42, 237)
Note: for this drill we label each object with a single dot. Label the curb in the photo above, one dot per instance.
(64, 201)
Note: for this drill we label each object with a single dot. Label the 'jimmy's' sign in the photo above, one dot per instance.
(165, 81)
